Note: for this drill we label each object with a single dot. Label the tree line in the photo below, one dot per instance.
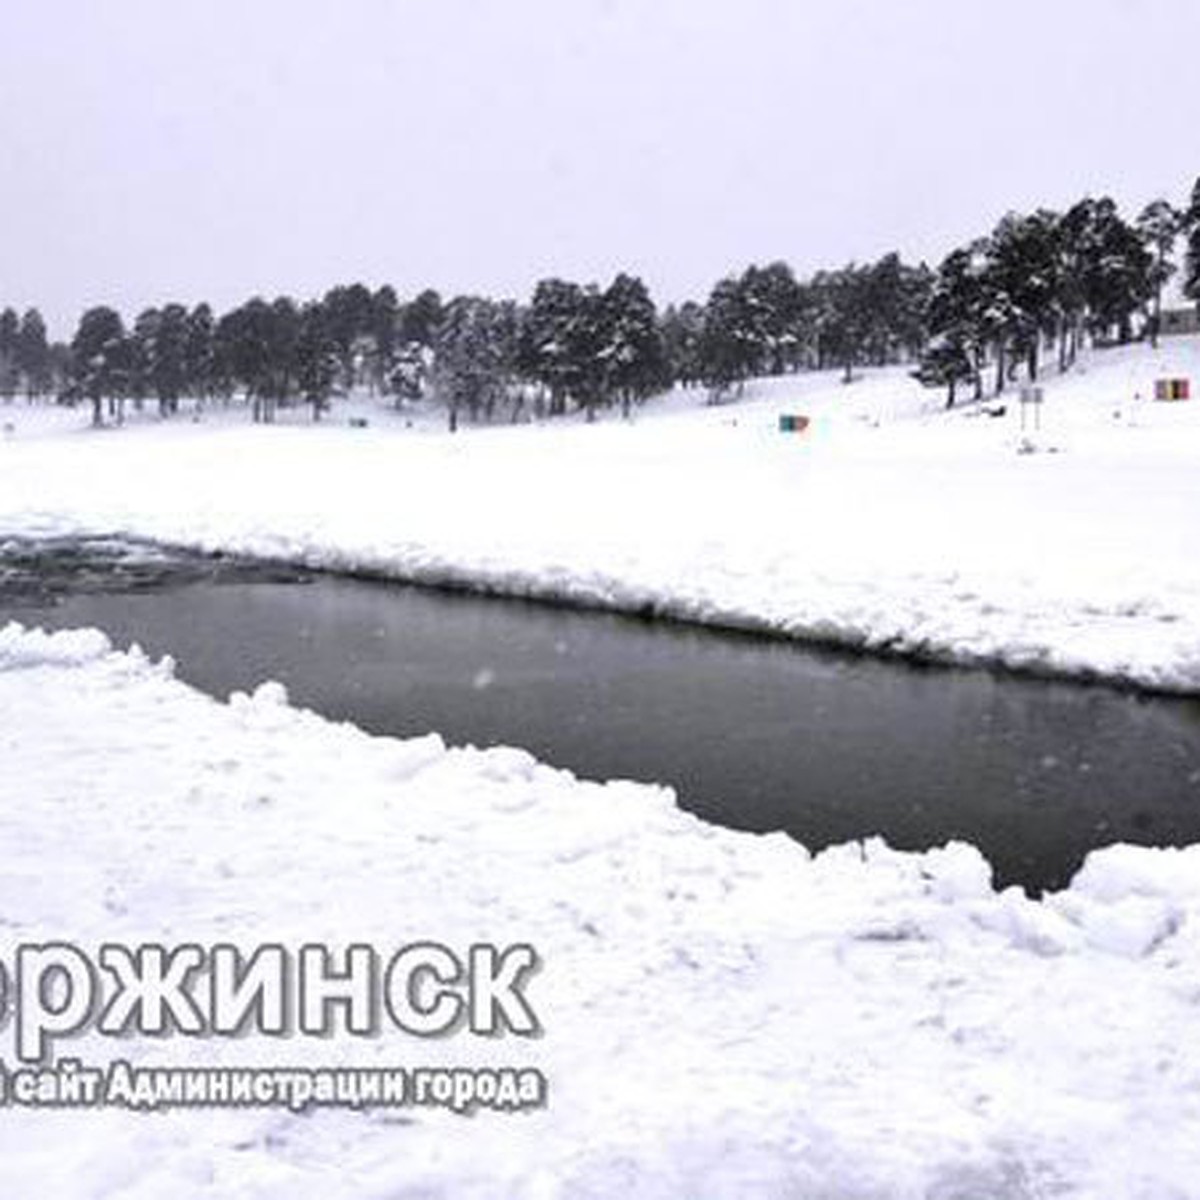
(1038, 283)
(1046, 281)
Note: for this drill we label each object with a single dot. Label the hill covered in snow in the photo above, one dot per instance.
(888, 524)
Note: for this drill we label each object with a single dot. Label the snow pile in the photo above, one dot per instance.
(887, 525)
(723, 1014)
(35, 648)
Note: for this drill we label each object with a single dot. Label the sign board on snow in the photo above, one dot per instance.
(792, 423)
(1172, 389)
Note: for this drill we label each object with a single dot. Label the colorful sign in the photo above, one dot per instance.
(1172, 389)
(792, 423)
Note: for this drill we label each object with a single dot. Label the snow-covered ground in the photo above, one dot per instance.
(723, 1015)
(886, 524)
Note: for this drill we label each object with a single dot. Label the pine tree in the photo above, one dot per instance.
(350, 319)
(142, 338)
(956, 350)
(773, 304)
(1121, 281)
(158, 356)
(316, 355)
(1106, 270)
(553, 340)
(631, 349)
(910, 317)
(1159, 224)
(730, 342)
(1075, 239)
(33, 354)
(385, 334)
(198, 356)
(100, 360)
(470, 357)
(843, 317)
(420, 318)
(245, 348)
(1191, 228)
(682, 328)
(10, 332)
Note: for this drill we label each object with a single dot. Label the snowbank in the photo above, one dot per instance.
(888, 525)
(724, 1014)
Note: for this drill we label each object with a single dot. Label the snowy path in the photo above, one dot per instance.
(723, 1015)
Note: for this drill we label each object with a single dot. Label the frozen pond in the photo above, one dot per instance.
(752, 733)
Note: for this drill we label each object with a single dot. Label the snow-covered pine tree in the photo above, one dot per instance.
(632, 349)
(10, 329)
(100, 356)
(1158, 224)
(1191, 229)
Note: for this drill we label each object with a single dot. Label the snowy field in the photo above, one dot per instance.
(723, 1014)
(886, 525)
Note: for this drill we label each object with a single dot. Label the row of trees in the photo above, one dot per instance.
(27, 361)
(571, 346)
(274, 352)
(766, 322)
(1046, 281)
(1036, 282)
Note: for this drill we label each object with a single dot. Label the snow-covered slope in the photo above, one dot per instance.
(887, 524)
(723, 1015)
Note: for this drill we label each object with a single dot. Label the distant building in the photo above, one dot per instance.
(1180, 320)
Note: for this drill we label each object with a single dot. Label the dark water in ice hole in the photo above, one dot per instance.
(752, 733)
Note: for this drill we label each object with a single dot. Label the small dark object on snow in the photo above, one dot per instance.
(358, 422)
(792, 423)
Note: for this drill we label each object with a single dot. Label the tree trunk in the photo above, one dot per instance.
(1156, 320)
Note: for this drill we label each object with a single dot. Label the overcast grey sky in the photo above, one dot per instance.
(154, 150)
